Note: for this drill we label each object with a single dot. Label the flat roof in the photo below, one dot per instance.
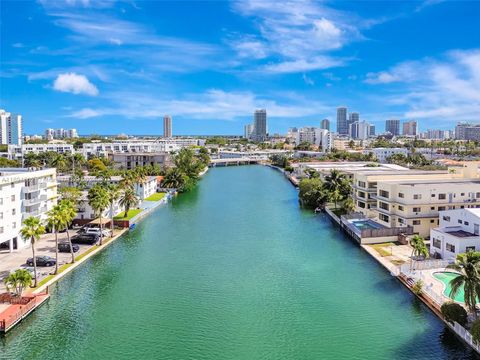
(460, 233)
(439, 181)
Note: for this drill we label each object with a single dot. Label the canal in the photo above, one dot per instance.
(232, 270)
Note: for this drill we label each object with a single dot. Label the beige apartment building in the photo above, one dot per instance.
(130, 161)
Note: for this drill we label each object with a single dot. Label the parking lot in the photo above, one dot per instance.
(45, 246)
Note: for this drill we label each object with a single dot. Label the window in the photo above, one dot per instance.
(442, 196)
(13, 197)
(446, 218)
(416, 209)
(462, 194)
(400, 195)
(361, 204)
(441, 208)
(432, 208)
(1, 229)
(400, 207)
(416, 222)
(470, 248)
(437, 243)
(384, 193)
(432, 221)
(361, 184)
(14, 211)
(384, 218)
(383, 205)
(478, 195)
(460, 221)
(417, 196)
(433, 195)
(14, 225)
(450, 247)
(1, 215)
(401, 221)
(466, 223)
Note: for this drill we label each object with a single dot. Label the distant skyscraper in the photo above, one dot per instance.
(49, 134)
(393, 127)
(260, 125)
(325, 124)
(342, 125)
(248, 130)
(167, 126)
(352, 118)
(10, 128)
(410, 128)
(360, 130)
(464, 131)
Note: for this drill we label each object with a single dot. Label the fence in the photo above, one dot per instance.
(384, 232)
(465, 335)
(424, 265)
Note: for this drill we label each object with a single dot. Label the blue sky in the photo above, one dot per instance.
(109, 67)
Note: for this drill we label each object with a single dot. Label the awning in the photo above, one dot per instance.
(97, 221)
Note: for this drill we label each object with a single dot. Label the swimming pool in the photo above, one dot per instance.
(445, 277)
(366, 224)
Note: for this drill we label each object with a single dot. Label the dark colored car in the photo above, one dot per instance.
(42, 260)
(65, 247)
(88, 239)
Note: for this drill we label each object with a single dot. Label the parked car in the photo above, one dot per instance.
(42, 260)
(88, 239)
(65, 247)
(28, 268)
(96, 231)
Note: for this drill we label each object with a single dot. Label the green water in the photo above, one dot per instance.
(232, 270)
(445, 278)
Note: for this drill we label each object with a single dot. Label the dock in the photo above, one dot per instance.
(15, 308)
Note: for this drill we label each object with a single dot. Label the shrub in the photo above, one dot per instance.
(475, 330)
(417, 287)
(454, 312)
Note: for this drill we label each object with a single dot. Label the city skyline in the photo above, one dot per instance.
(211, 75)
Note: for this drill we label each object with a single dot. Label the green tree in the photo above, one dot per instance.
(454, 312)
(114, 193)
(475, 331)
(55, 221)
(174, 179)
(128, 199)
(70, 193)
(69, 213)
(468, 267)
(98, 200)
(312, 193)
(419, 249)
(348, 205)
(6, 163)
(18, 281)
(32, 229)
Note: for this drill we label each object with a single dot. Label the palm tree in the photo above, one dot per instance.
(348, 205)
(18, 281)
(98, 200)
(127, 180)
(59, 162)
(55, 221)
(114, 193)
(32, 230)
(418, 248)
(128, 199)
(468, 267)
(173, 179)
(338, 182)
(69, 213)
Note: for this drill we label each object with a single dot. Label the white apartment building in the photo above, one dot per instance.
(61, 133)
(17, 152)
(382, 154)
(11, 128)
(315, 136)
(23, 193)
(458, 232)
(418, 202)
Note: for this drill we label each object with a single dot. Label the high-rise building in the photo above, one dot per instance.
(10, 128)
(360, 130)
(315, 136)
(167, 126)
(372, 130)
(260, 125)
(51, 134)
(342, 125)
(410, 128)
(248, 130)
(393, 127)
(325, 124)
(465, 131)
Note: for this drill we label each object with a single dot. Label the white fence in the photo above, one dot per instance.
(424, 265)
(465, 335)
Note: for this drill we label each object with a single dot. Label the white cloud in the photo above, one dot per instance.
(74, 83)
(308, 80)
(300, 65)
(446, 88)
(212, 104)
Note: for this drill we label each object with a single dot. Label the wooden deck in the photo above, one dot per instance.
(15, 309)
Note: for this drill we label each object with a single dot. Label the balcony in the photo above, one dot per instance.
(37, 200)
(33, 188)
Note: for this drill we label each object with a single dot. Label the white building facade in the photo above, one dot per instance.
(11, 128)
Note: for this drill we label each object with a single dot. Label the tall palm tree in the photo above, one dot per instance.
(173, 179)
(114, 193)
(98, 201)
(128, 199)
(55, 221)
(468, 266)
(128, 180)
(418, 248)
(32, 230)
(69, 213)
(59, 162)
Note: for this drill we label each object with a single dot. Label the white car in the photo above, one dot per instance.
(96, 231)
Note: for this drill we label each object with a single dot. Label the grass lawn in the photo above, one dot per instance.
(155, 197)
(131, 214)
(383, 249)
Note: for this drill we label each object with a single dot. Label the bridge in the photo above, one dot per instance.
(235, 161)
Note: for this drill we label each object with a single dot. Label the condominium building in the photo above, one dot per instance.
(260, 128)
(410, 128)
(61, 133)
(17, 152)
(458, 232)
(464, 131)
(23, 193)
(418, 202)
(248, 131)
(315, 136)
(325, 124)
(10, 128)
(342, 124)
(130, 161)
(393, 127)
(382, 154)
(353, 118)
(167, 126)
(359, 130)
